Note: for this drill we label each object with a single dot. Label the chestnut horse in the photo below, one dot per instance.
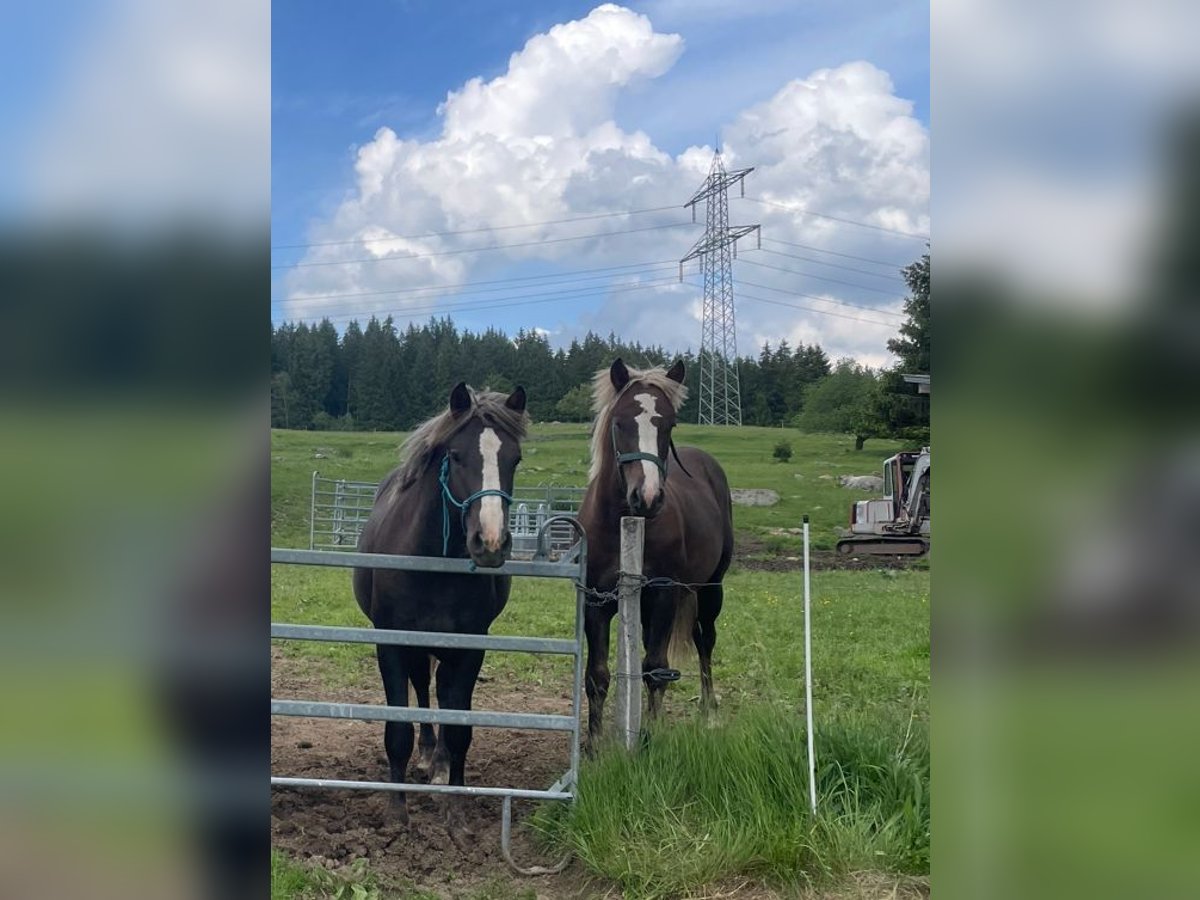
(689, 529)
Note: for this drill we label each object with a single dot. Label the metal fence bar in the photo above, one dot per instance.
(338, 784)
(572, 564)
(372, 713)
(423, 639)
(340, 508)
(346, 559)
(312, 512)
(577, 686)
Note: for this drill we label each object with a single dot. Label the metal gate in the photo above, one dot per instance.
(340, 507)
(572, 565)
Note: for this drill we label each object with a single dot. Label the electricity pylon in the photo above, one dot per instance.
(720, 388)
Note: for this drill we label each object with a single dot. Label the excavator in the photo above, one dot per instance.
(898, 524)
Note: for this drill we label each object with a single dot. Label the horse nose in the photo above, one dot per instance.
(477, 543)
(485, 554)
(634, 500)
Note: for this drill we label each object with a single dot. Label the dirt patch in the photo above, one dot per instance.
(333, 828)
(753, 553)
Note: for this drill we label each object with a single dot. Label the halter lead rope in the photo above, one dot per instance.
(462, 505)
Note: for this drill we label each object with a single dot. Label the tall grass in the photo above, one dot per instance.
(699, 806)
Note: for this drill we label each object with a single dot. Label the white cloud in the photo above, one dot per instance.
(540, 142)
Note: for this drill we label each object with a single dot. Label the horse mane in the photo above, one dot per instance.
(605, 396)
(428, 437)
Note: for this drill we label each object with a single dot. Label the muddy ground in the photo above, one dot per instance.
(334, 828)
(752, 552)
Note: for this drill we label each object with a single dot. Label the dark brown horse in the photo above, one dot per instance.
(689, 528)
(449, 498)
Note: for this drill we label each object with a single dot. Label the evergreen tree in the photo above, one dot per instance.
(913, 346)
(904, 411)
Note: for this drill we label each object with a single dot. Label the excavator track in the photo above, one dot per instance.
(882, 545)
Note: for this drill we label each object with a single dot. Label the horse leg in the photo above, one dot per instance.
(420, 671)
(658, 616)
(397, 736)
(455, 687)
(597, 625)
(704, 635)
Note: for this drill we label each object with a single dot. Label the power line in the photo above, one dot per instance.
(806, 212)
(821, 262)
(880, 262)
(557, 292)
(485, 228)
(751, 262)
(505, 283)
(476, 306)
(824, 312)
(873, 309)
(579, 237)
(853, 284)
(767, 287)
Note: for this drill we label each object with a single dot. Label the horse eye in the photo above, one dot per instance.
(455, 456)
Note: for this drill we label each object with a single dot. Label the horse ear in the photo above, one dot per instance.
(460, 399)
(618, 374)
(516, 400)
(675, 373)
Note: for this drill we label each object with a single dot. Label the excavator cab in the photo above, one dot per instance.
(897, 524)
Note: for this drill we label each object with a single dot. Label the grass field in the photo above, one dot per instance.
(870, 685)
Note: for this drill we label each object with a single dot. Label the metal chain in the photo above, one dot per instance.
(597, 597)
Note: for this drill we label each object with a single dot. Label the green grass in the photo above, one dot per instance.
(295, 881)
(699, 805)
(559, 454)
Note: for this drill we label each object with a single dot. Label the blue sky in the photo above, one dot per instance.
(340, 72)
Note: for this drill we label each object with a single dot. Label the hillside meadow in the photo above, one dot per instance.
(870, 688)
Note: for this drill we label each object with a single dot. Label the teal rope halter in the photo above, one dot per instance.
(448, 498)
(636, 455)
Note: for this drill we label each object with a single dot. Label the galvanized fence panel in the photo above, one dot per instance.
(573, 566)
(340, 507)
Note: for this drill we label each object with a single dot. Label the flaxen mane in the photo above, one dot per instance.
(604, 398)
(430, 436)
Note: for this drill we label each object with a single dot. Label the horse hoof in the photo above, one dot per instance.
(424, 762)
(460, 832)
(462, 837)
(399, 809)
(440, 774)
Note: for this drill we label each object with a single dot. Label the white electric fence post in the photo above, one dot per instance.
(808, 711)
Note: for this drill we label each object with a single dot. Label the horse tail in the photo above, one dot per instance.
(681, 629)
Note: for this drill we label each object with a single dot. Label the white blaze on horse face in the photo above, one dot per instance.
(491, 508)
(648, 443)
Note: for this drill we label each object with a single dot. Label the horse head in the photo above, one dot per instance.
(479, 461)
(641, 422)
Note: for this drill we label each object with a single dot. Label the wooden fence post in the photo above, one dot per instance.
(629, 632)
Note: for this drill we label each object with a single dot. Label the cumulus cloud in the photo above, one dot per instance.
(541, 142)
